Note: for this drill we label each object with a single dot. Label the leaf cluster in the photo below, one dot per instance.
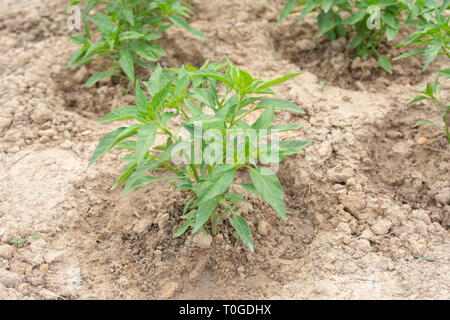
(367, 23)
(123, 32)
(216, 99)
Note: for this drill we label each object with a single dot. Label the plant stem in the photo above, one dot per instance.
(213, 224)
(194, 171)
(446, 126)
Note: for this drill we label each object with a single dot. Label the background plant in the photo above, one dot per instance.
(432, 39)
(367, 22)
(214, 100)
(127, 29)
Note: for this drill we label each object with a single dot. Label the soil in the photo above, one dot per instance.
(367, 206)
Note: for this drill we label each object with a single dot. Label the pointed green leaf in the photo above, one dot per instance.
(215, 184)
(128, 112)
(143, 181)
(243, 230)
(445, 73)
(146, 137)
(265, 120)
(356, 17)
(385, 63)
(269, 187)
(103, 23)
(141, 99)
(130, 35)
(127, 64)
(327, 5)
(182, 229)
(250, 187)
(422, 123)
(96, 77)
(417, 99)
(410, 54)
(286, 127)
(280, 104)
(204, 212)
(287, 9)
(111, 139)
(181, 23)
(125, 174)
(268, 84)
(204, 96)
(146, 52)
(431, 52)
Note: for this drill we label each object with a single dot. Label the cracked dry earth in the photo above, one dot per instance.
(365, 202)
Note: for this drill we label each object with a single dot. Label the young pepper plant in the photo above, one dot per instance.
(373, 21)
(432, 39)
(213, 106)
(127, 30)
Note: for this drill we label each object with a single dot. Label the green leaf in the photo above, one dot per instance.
(243, 230)
(310, 6)
(157, 81)
(268, 84)
(417, 99)
(103, 23)
(129, 15)
(204, 96)
(146, 52)
(445, 73)
(385, 63)
(293, 147)
(410, 54)
(96, 77)
(207, 121)
(390, 20)
(130, 35)
(215, 75)
(146, 137)
(265, 120)
(127, 64)
(280, 104)
(422, 123)
(128, 112)
(269, 187)
(182, 229)
(141, 99)
(356, 17)
(75, 57)
(143, 181)
(287, 9)
(286, 127)
(431, 52)
(215, 184)
(391, 33)
(125, 174)
(181, 23)
(111, 139)
(327, 5)
(204, 212)
(326, 24)
(78, 39)
(250, 187)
